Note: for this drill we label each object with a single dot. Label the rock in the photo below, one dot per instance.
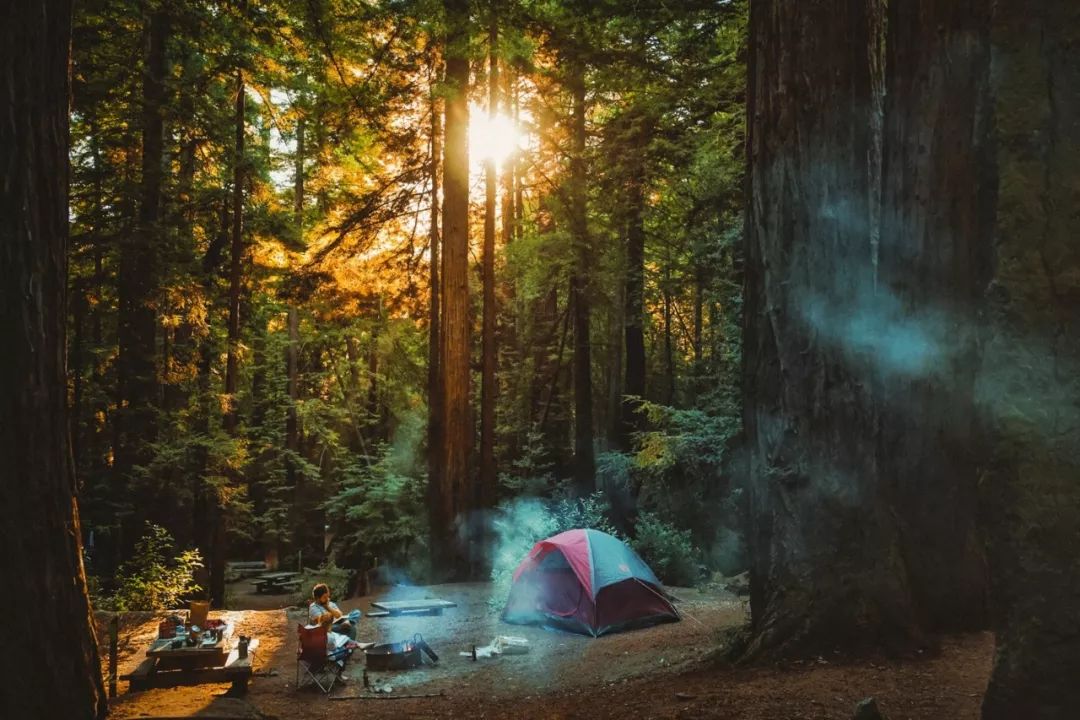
(738, 584)
(868, 710)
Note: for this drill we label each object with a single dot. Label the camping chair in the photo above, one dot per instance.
(320, 665)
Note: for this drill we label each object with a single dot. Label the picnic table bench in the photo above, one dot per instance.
(166, 666)
(277, 582)
(238, 570)
(394, 608)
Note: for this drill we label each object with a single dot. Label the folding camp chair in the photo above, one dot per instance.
(319, 664)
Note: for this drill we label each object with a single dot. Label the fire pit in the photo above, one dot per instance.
(398, 656)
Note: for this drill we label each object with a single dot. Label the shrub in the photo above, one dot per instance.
(336, 577)
(520, 524)
(154, 578)
(667, 549)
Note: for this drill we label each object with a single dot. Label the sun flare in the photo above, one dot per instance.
(492, 138)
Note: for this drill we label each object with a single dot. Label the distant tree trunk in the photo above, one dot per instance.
(434, 379)
(935, 245)
(236, 252)
(41, 548)
(519, 186)
(615, 373)
(216, 561)
(486, 495)
(699, 316)
(669, 349)
(584, 461)
(293, 479)
(451, 493)
(183, 351)
(292, 323)
(292, 423)
(298, 177)
(1030, 383)
(513, 352)
(826, 566)
(634, 298)
(373, 376)
(509, 173)
(137, 318)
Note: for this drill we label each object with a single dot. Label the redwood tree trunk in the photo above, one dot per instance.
(634, 298)
(487, 382)
(826, 565)
(451, 493)
(434, 378)
(935, 244)
(40, 537)
(1030, 383)
(236, 253)
(584, 460)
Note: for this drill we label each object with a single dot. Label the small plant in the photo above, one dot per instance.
(667, 549)
(154, 578)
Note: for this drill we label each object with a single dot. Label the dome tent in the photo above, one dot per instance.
(589, 582)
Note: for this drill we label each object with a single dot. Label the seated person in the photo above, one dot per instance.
(324, 611)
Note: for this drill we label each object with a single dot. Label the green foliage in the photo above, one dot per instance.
(154, 578)
(531, 474)
(520, 524)
(379, 509)
(668, 550)
(336, 578)
(341, 430)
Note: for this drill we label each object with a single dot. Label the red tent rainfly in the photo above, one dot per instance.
(589, 582)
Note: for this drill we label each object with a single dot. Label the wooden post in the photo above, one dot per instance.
(114, 626)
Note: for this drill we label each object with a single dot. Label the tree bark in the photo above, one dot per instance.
(634, 298)
(236, 249)
(40, 536)
(434, 379)
(1031, 372)
(486, 495)
(584, 460)
(451, 496)
(826, 566)
(935, 244)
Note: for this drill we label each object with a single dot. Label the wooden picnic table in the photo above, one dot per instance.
(276, 581)
(394, 608)
(166, 666)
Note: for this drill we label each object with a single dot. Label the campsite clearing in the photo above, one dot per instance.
(631, 674)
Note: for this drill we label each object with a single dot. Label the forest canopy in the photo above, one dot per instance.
(261, 216)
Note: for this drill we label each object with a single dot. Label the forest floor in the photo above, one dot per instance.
(659, 672)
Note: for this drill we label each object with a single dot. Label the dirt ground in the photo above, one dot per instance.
(661, 672)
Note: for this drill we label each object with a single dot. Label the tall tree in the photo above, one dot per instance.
(39, 520)
(933, 264)
(137, 367)
(236, 244)
(634, 292)
(584, 456)
(1030, 380)
(488, 349)
(451, 492)
(434, 375)
(818, 507)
